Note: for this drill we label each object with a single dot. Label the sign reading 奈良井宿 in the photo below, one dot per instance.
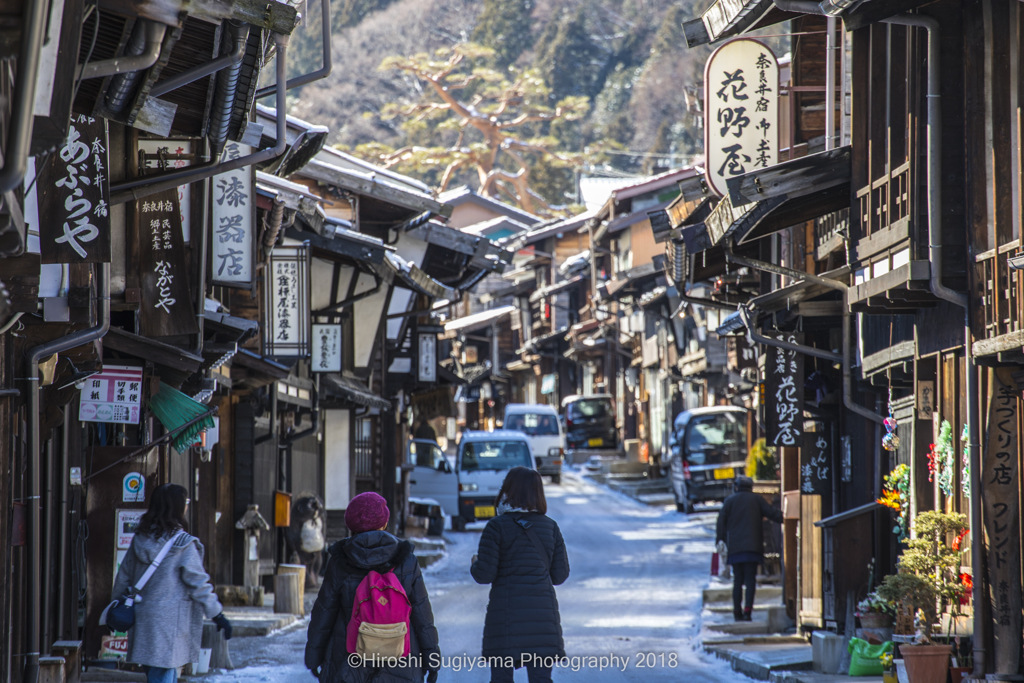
(73, 196)
(326, 351)
(784, 393)
(232, 206)
(286, 301)
(741, 111)
(167, 307)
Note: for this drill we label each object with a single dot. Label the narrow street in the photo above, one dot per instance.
(634, 592)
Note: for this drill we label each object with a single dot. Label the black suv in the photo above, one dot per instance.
(590, 422)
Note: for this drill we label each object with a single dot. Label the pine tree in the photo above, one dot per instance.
(505, 27)
(570, 59)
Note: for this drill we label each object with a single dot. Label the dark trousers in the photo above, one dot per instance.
(534, 674)
(744, 574)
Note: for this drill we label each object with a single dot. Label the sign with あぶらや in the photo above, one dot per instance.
(73, 196)
(741, 111)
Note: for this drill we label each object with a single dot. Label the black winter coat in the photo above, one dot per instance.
(522, 614)
(739, 522)
(350, 561)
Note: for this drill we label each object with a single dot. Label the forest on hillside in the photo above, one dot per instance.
(623, 66)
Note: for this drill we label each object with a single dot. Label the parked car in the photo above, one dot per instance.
(708, 448)
(590, 422)
(547, 440)
(467, 492)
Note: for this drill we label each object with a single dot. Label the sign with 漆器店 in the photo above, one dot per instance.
(114, 395)
(286, 301)
(166, 308)
(73, 194)
(741, 111)
(784, 393)
(232, 205)
(326, 351)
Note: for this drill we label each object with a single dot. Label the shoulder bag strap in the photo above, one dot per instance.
(156, 562)
(528, 528)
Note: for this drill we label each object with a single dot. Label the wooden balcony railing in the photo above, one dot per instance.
(885, 201)
(830, 231)
(1002, 292)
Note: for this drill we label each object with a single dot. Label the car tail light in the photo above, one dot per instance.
(686, 471)
(556, 462)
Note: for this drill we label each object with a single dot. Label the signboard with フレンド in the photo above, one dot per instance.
(741, 111)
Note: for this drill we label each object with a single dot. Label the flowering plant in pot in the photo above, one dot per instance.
(928, 578)
(874, 611)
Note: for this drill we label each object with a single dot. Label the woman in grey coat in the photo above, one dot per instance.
(169, 616)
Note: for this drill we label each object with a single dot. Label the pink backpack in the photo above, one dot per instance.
(380, 617)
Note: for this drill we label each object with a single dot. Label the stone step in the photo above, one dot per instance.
(758, 661)
(424, 544)
(726, 607)
(723, 593)
(428, 558)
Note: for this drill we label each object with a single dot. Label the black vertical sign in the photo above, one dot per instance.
(816, 464)
(166, 298)
(73, 196)
(784, 393)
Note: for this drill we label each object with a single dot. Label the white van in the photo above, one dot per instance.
(542, 427)
(468, 492)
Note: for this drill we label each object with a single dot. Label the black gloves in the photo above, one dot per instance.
(432, 676)
(223, 625)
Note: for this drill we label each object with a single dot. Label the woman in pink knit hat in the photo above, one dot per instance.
(369, 547)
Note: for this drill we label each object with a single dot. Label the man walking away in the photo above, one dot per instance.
(739, 527)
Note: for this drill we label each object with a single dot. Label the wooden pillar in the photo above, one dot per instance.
(790, 548)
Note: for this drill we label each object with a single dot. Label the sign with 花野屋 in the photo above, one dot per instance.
(166, 299)
(741, 111)
(784, 393)
(326, 350)
(114, 395)
(232, 205)
(286, 333)
(73, 194)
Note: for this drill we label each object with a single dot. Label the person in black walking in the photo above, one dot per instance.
(522, 555)
(740, 528)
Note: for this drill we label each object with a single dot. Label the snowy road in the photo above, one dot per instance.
(634, 592)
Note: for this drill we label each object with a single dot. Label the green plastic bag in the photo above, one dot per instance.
(866, 659)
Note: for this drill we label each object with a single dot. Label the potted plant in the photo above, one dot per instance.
(875, 611)
(928, 577)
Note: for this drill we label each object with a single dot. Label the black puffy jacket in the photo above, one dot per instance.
(350, 561)
(739, 522)
(522, 614)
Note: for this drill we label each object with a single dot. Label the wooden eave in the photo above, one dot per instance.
(728, 18)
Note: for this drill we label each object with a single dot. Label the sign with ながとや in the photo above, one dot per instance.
(741, 111)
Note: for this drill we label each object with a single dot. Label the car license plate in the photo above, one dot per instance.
(593, 443)
(725, 473)
(483, 511)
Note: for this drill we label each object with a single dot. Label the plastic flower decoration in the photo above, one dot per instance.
(967, 584)
(945, 458)
(895, 495)
(957, 543)
(965, 475)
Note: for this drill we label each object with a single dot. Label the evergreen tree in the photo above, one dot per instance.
(570, 60)
(505, 27)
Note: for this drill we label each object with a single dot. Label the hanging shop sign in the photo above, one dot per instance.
(741, 353)
(127, 523)
(925, 399)
(741, 114)
(784, 393)
(114, 395)
(232, 207)
(427, 367)
(160, 155)
(816, 464)
(548, 384)
(286, 298)
(166, 308)
(326, 348)
(73, 197)
(1000, 478)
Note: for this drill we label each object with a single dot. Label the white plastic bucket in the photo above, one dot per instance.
(203, 666)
